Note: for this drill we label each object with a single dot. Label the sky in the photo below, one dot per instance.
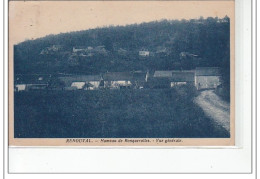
(32, 19)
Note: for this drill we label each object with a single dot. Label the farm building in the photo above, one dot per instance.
(182, 78)
(173, 78)
(78, 85)
(161, 49)
(100, 50)
(79, 49)
(36, 86)
(207, 77)
(86, 82)
(31, 82)
(83, 51)
(144, 53)
(20, 87)
(160, 79)
(122, 51)
(51, 49)
(139, 79)
(187, 54)
(163, 74)
(117, 80)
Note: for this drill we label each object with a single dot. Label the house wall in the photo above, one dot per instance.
(77, 49)
(116, 84)
(78, 85)
(20, 87)
(144, 53)
(178, 84)
(36, 86)
(95, 85)
(207, 82)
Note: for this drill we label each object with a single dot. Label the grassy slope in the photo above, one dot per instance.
(112, 113)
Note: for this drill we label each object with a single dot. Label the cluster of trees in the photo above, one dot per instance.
(208, 38)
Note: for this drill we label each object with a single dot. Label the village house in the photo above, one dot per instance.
(78, 85)
(225, 20)
(31, 82)
(139, 79)
(207, 77)
(164, 74)
(89, 51)
(122, 51)
(161, 49)
(160, 79)
(100, 50)
(51, 49)
(81, 82)
(173, 78)
(187, 54)
(82, 49)
(20, 87)
(79, 49)
(144, 53)
(179, 78)
(118, 80)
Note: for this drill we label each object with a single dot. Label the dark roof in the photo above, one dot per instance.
(162, 74)
(182, 76)
(80, 47)
(178, 75)
(207, 71)
(140, 76)
(117, 76)
(68, 80)
(32, 79)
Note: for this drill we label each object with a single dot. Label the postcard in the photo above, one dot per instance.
(121, 73)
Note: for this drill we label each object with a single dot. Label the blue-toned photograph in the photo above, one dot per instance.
(158, 78)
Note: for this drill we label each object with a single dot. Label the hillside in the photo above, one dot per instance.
(172, 45)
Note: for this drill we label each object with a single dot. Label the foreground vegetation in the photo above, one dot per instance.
(112, 113)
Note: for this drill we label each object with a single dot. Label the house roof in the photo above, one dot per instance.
(176, 75)
(80, 47)
(182, 76)
(207, 71)
(162, 74)
(68, 80)
(32, 79)
(117, 76)
(139, 76)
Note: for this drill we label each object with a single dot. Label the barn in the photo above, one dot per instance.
(207, 78)
(139, 79)
(163, 74)
(31, 82)
(179, 78)
(117, 80)
(86, 82)
(173, 78)
(160, 79)
(144, 53)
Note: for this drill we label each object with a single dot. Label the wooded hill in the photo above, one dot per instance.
(172, 45)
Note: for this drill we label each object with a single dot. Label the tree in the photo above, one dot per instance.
(108, 44)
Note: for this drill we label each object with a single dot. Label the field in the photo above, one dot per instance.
(126, 113)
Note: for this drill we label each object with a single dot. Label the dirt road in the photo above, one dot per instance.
(215, 108)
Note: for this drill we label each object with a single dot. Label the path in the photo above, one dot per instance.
(215, 108)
